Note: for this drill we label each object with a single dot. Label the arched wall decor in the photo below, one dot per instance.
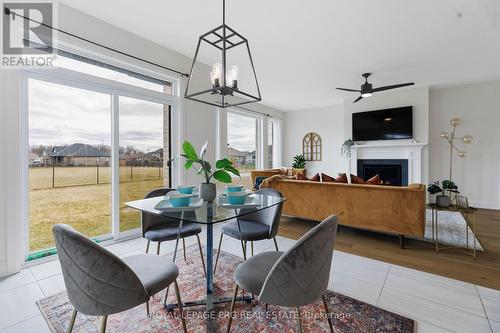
(311, 147)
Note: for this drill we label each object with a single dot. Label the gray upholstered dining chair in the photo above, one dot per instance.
(98, 283)
(161, 229)
(259, 225)
(295, 278)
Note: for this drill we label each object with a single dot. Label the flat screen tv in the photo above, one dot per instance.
(388, 124)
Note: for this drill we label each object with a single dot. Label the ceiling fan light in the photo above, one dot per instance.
(365, 95)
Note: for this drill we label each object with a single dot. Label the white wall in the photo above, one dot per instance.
(334, 124)
(477, 175)
(197, 122)
(328, 122)
(416, 97)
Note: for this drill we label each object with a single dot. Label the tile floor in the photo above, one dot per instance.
(437, 304)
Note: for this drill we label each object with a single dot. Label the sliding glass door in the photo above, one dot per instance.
(98, 136)
(144, 153)
(69, 161)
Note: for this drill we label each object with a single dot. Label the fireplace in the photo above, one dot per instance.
(393, 172)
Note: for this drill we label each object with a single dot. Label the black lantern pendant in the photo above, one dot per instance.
(232, 80)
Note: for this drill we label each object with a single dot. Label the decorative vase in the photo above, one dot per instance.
(208, 192)
(299, 171)
(443, 201)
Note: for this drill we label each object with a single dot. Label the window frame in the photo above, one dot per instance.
(115, 89)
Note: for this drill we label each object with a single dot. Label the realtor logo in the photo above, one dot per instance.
(27, 36)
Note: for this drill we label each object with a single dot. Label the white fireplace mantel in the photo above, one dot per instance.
(412, 151)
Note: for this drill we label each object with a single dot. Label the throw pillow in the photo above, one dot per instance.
(258, 182)
(342, 178)
(375, 180)
(357, 180)
(315, 178)
(328, 179)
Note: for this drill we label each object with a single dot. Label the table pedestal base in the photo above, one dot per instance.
(215, 300)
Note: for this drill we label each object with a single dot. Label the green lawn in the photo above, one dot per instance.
(87, 207)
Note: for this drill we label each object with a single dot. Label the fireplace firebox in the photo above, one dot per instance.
(393, 172)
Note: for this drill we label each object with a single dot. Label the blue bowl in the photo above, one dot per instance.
(234, 188)
(179, 200)
(236, 199)
(185, 189)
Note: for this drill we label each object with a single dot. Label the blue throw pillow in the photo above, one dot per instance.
(258, 181)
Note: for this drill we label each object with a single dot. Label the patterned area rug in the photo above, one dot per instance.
(452, 230)
(348, 315)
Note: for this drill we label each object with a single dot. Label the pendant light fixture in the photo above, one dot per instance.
(232, 80)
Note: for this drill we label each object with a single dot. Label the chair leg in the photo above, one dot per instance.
(251, 247)
(147, 308)
(201, 256)
(179, 303)
(184, 249)
(103, 324)
(218, 252)
(72, 321)
(166, 296)
(231, 310)
(299, 323)
(328, 314)
(267, 307)
(244, 248)
(275, 244)
(158, 249)
(147, 246)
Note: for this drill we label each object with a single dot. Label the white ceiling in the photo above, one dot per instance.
(304, 49)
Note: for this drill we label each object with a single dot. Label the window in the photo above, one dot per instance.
(242, 143)
(270, 143)
(144, 141)
(69, 161)
(77, 173)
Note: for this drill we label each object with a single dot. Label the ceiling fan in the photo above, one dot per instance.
(367, 88)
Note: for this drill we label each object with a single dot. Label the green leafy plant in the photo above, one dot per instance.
(345, 150)
(223, 167)
(445, 185)
(299, 162)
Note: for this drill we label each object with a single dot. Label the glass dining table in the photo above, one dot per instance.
(207, 214)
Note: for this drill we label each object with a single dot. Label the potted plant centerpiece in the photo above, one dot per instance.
(443, 200)
(299, 164)
(223, 168)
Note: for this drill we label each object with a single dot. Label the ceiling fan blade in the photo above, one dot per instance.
(392, 87)
(345, 89)
(358, 99)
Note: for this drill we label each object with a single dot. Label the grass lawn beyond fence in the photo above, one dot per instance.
(86, 207)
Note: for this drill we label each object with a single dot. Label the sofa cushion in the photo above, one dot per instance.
(375, 180)
(315, 178)
(341, 178)
(327, 179)
(357, 180)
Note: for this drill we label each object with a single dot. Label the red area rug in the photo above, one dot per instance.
(348, 315)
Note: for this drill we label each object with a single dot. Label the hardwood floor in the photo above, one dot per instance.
(453, 263)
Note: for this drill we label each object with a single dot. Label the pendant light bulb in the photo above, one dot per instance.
(232, 77)
(216, 75)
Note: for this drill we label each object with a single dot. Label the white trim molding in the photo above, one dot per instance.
(412, 151)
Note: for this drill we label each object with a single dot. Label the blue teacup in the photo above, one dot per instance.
(237, 198)
(234, 188)
(179, 199)
(185, 189)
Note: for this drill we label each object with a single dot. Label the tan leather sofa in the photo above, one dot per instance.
(388, 209)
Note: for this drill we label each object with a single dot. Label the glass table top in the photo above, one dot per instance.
(207, 213)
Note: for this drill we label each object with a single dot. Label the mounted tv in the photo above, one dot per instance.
(387, 124)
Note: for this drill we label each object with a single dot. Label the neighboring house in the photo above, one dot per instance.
(79, 154)
(240, 158)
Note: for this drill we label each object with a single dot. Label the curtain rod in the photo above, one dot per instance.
(250, 110)
(8, 12)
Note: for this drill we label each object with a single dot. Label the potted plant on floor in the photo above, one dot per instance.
(299, 164)
(443, 200)
(222, 170)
